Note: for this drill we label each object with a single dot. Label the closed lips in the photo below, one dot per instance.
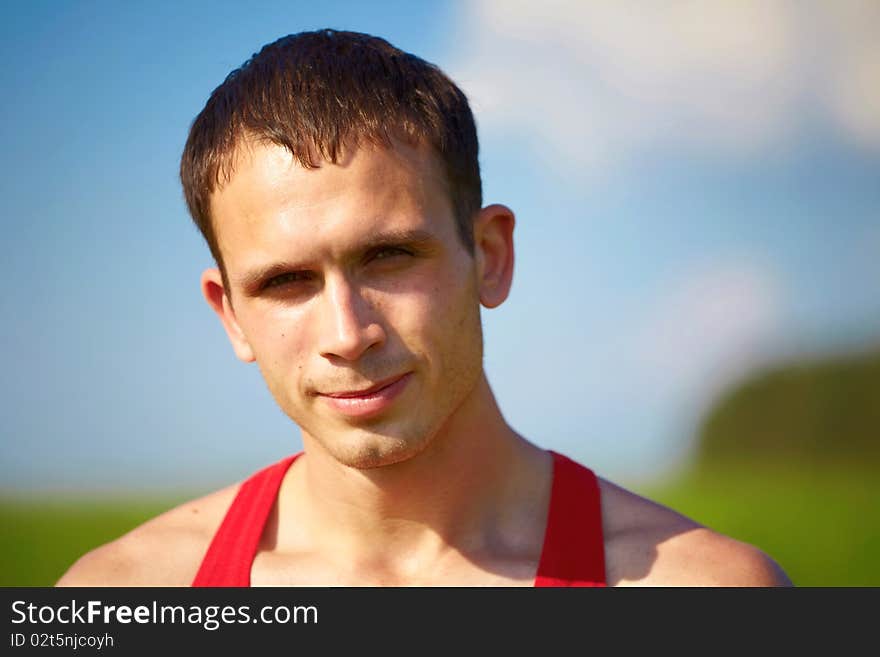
(365, 392)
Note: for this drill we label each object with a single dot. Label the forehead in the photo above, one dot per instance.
(271, 202)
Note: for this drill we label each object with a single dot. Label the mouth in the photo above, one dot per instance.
(368, 401)
(366, 392)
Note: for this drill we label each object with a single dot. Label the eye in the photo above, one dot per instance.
(284, 279)
(386, 252)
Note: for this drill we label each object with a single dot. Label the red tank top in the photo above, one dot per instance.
(573, 553)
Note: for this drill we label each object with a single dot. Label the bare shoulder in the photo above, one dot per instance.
(648, 544)
(164, 551)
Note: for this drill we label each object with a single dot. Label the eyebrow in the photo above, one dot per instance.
(417, 239)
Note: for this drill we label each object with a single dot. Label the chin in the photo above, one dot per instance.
(366, 450)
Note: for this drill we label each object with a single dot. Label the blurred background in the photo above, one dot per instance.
(696, 304)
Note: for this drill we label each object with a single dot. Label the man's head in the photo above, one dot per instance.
(347, 271)
(315, 93)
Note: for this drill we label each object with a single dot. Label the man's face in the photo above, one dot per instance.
(351, 289)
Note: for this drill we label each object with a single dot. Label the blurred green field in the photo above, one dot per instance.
(41, 539)
(822, 526)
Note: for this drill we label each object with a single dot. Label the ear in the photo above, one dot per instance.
(493, 242)
(215, 295)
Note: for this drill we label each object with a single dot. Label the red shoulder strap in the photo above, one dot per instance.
(574, 549)
(573, 552)
(231, 553)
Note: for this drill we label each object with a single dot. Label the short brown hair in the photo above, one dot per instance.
(316, 92)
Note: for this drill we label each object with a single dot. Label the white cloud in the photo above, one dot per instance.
(716, 324)
(627, 395)
(599, 81)
(851, 86)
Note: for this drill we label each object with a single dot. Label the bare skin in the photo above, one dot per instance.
(646, 544)
(341, 278)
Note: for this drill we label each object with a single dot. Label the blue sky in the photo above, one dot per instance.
(696, 195)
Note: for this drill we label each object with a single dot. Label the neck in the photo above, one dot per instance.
(476, 485)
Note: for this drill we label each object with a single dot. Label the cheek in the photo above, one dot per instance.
(441, 322)
(279, 343)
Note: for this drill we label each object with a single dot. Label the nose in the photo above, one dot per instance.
(348, 327)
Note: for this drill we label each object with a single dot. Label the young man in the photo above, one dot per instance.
(335, 179)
